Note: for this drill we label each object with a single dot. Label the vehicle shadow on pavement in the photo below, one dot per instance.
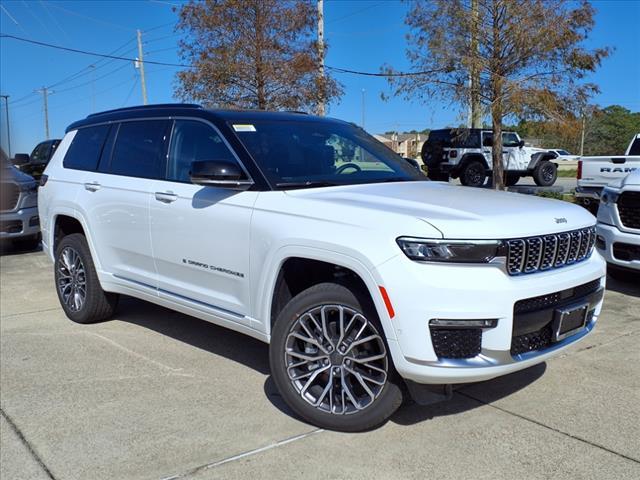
(254, 354)
(470, 396)
(7, 248)
(197, 333)
(630, 285)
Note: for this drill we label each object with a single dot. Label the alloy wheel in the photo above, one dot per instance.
(71, 279)
(336, 359)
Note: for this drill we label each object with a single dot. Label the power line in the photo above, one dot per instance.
(95, 54)
(182, 65)
(97, 20)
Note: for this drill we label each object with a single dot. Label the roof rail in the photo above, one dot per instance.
(296, 111)
(147, 107)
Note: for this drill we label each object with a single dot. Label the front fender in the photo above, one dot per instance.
(267, 283)
(540, 156)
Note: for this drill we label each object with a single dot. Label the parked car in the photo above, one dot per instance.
(366, 279)
(595, 173)
(618, 226)
(563, 155)
(465, 153)
(19, 221)
(35, 163)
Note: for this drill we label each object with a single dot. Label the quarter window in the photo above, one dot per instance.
(193, 141)
(138, 149)
(86, 147)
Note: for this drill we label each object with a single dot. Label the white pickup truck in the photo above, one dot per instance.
(595, 173)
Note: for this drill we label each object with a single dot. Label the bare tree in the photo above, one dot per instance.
(252, 54)
(527, 58)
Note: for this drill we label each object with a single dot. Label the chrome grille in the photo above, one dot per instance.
(532, 254)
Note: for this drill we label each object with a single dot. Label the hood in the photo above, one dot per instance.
(457, 212)
(11, 174)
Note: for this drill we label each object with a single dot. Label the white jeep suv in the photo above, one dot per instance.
(368, 280)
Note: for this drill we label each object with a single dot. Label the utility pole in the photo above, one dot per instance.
(93, 88)
(476, 109)
(141, 66)
(363, 91)
(6, 105)
(321, 105)
(45, 93)
(582, 135)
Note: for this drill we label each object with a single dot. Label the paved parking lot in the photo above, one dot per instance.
(154, 394)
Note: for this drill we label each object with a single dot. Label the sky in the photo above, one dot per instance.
(361, 34)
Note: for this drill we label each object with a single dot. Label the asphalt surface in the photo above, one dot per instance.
(562, 184)
(154, 394)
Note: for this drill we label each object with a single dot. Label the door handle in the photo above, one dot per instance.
(92, 187)
(166, 197)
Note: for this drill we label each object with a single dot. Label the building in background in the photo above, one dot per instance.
(404, 144)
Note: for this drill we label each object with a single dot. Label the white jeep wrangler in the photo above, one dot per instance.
(368, 280)
(465, 153)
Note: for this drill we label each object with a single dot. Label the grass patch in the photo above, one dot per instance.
(568, 173)
(567, 197)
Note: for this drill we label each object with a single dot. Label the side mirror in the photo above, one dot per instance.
(219, 173)
(521, 143)
(21, 159)
(412, 162)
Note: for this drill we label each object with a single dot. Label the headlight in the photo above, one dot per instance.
(456, 251)
(609, 196)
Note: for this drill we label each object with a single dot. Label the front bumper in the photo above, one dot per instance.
(21, 223)
(466, 292)
(612, 235)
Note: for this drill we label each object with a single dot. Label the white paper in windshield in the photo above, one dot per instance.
(244, 128)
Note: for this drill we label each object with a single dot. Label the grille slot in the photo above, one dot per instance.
(629, 209)
(456, 343)
(526, 339)
(9, 195)
(533, 254)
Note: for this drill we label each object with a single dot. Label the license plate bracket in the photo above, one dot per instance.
(569, 320)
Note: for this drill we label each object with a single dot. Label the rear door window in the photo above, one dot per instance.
(138, 151)
(635, 147)
(86, 147)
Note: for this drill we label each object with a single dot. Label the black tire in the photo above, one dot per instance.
(545, 173)
(511, 179)
(473, 174)
(383, 405)
(97, 305)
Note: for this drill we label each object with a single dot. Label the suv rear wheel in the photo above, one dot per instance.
(330, 361)
(473, 174)
(77, 284)
(545, 173)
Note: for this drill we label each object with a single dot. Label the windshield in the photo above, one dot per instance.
(299, 154)
(563, 152)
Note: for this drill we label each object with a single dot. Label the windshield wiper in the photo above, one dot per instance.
(308, 184)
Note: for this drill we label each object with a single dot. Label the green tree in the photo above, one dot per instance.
(528, 58)
(609, 130)
(252, 54)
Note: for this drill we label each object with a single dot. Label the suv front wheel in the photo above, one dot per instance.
(77, 284)
(473, 174)
(545, 173)
(330, 361)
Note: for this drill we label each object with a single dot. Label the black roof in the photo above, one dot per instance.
(192, 110)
